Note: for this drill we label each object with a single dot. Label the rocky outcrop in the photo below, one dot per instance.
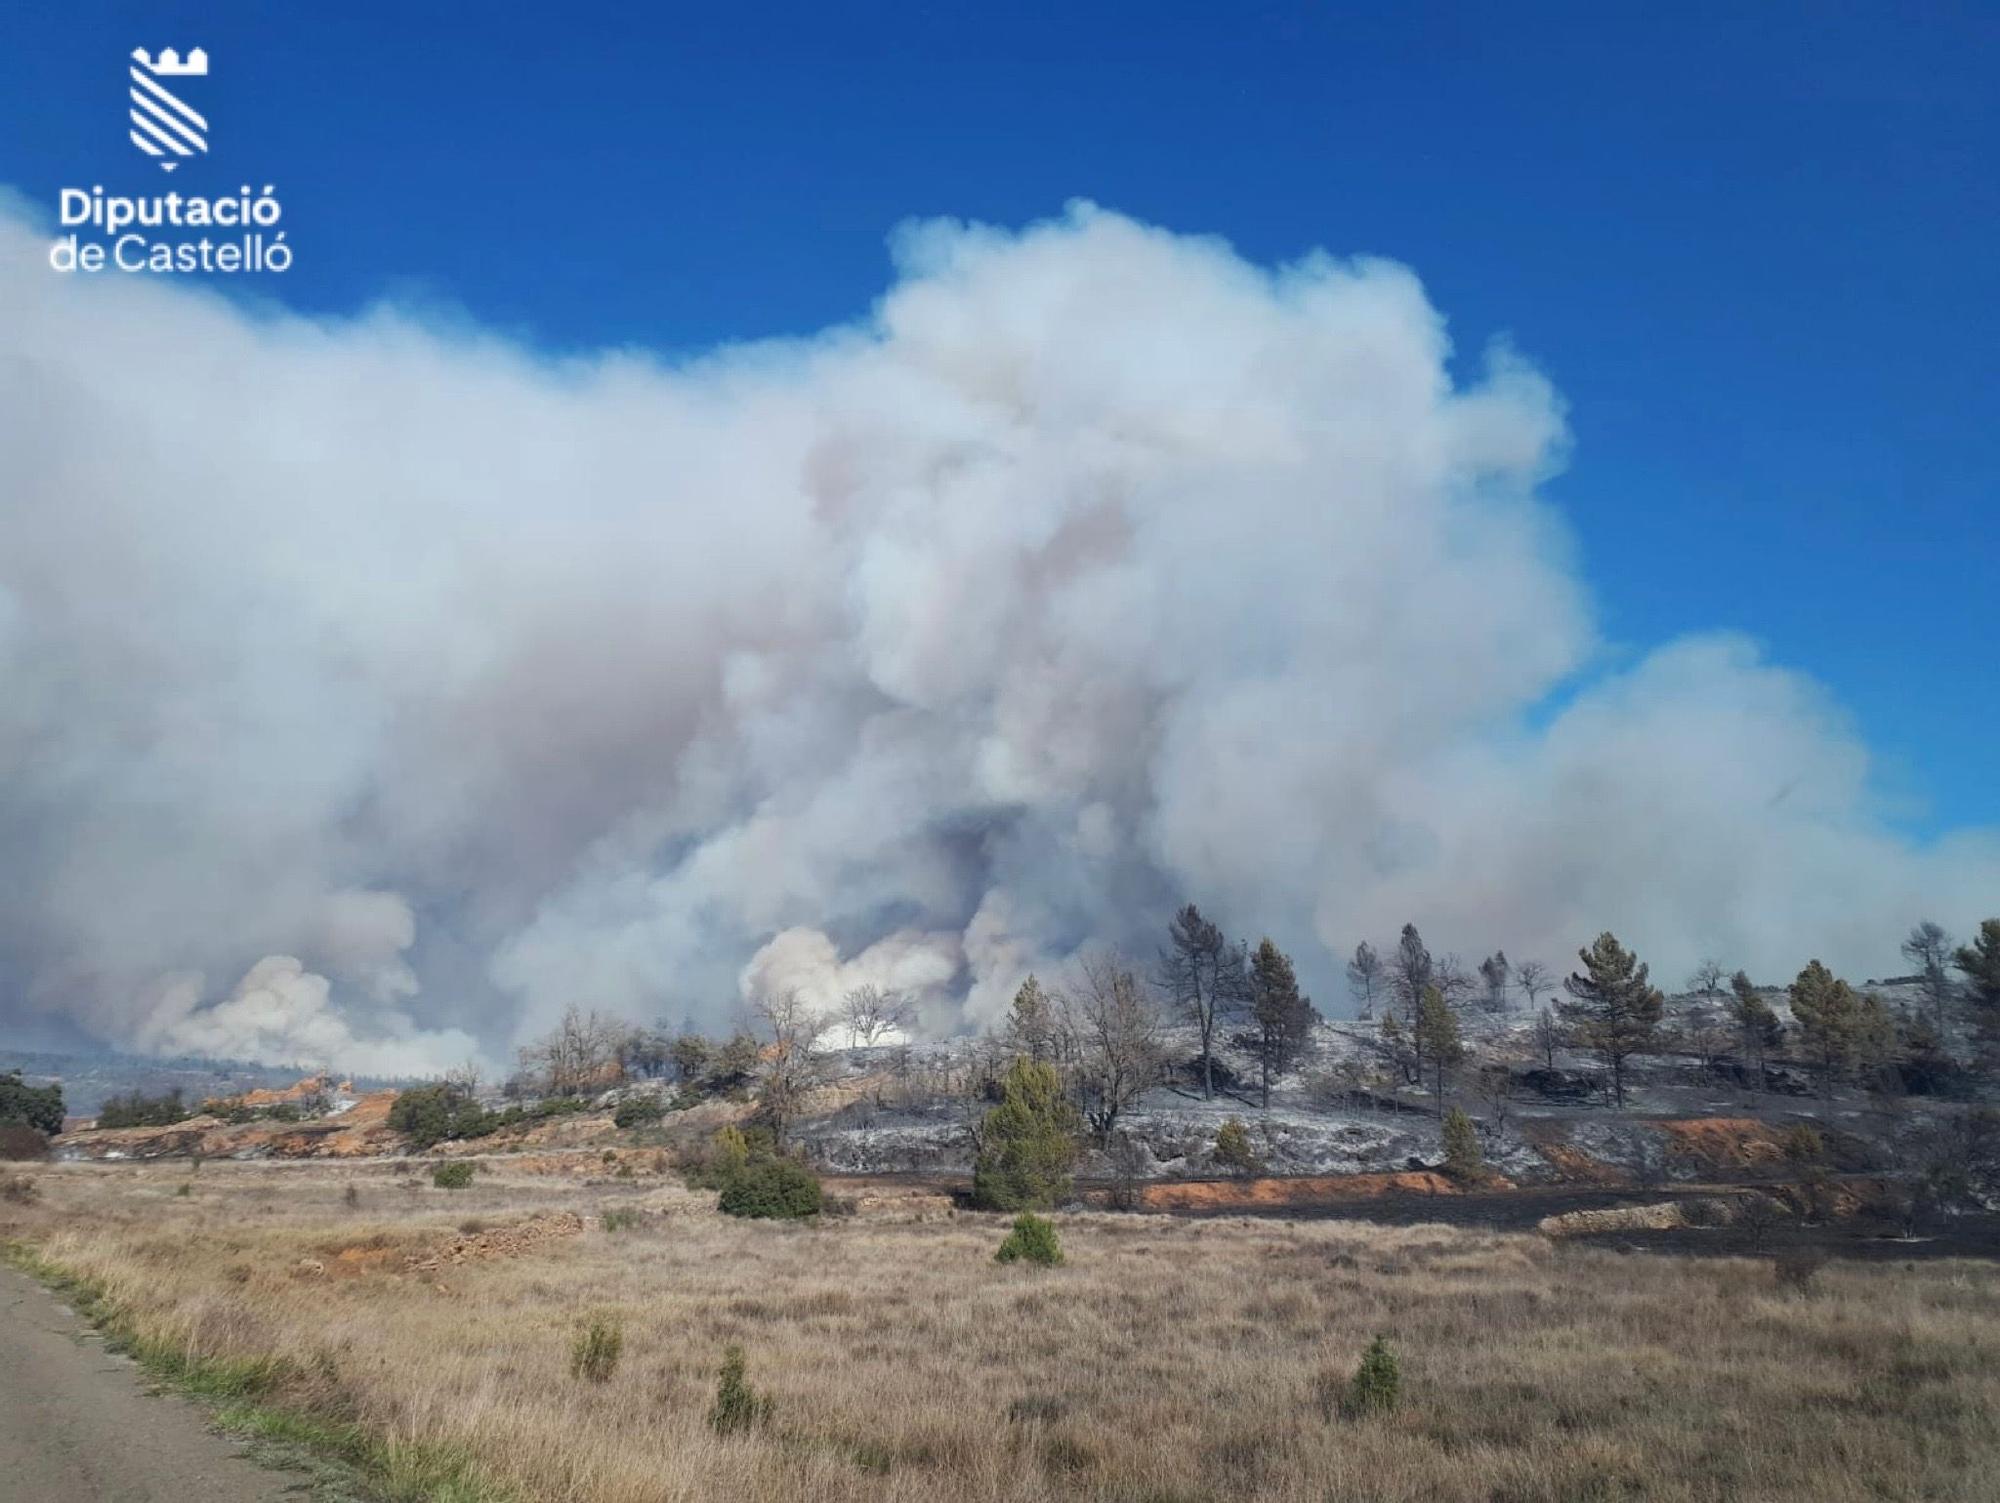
(357, 1131)
(528, 1236)
(1661, 1216)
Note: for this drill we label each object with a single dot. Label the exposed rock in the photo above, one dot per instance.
(498, 1242)
(362, 1129)
(1662, 1216)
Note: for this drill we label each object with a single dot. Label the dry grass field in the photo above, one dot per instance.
(1167, 1360)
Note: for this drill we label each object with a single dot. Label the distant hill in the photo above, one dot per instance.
(88, 1078)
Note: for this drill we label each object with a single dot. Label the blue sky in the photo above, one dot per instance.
(1753, 246)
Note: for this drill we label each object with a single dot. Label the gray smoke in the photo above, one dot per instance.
(372, 691)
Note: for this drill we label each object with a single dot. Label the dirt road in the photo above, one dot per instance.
(77, 1424)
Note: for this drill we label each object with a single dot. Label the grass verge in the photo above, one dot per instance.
(343, 1460)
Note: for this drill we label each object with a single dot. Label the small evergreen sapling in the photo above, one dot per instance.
(1234, 1150)
(738, 1406)
(1027, 1144)
(1462, 1158)
(1033, 1240)
(1378, 1381)
(594, 1353)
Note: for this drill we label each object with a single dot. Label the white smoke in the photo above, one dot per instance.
(283, 1013)
(1095, 570)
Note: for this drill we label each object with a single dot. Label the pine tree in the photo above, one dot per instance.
(1031, 1022)
(1979, 963)
(1756, 1022)
(1929, 949)
(1396, 1045)
(1377, 1382)
(1874, 1050)
(1829, 1018)
(1284, 1019)
(1364, 977)
(1207, 980)
(1233, 1149)
(1613, 1009)
(1462, 1158)
(1437, 1037)
(1027, 1144)
(1411, 969)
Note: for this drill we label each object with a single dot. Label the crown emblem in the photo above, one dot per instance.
(170, 64)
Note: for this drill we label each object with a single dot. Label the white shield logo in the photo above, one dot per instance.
(163, 125)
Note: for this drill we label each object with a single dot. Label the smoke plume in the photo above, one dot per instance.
(375, 690)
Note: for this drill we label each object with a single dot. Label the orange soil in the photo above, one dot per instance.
(359, 1131)
(1724, 1142)
(1257, 1194)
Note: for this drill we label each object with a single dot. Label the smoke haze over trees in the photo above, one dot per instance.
(377, 691)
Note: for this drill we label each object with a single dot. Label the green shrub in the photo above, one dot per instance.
(23, 1105)
(715, 1165)
(640, 1111)
(594, 1353)
(1027, 1144)
(738, 1406)
(1803, 1144)
(456, 1175)
(1033, 1240)
(773, 1189)
(1462, 1158)
(1377, 1381)
(429, 1114)
(620, 1219)
(139, 1110)
(437, 1113)
(1233, 1149)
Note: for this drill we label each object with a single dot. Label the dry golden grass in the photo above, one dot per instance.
(1167, 1360)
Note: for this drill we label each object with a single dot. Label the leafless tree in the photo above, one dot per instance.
(1533, 979)
(1548, 1036)
(1495, 1086)
(1119, 1045)
(1396, 1047)
(869, 1013)
(581, 1052)
(1707, 978)
(792, 1064)
(1453, 981)
(1707, 1033)
(1494, 972)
